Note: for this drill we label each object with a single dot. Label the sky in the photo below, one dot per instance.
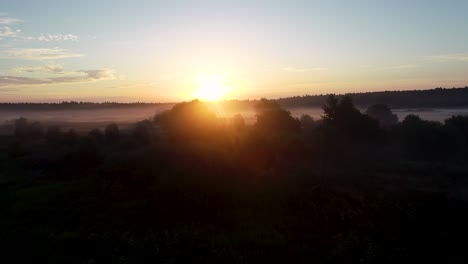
(165, 51)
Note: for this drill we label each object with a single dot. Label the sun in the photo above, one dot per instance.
(211, 87)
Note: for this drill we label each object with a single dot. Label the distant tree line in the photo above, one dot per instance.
(68, 105)
(438, 97)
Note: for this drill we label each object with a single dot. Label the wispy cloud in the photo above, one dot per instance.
(106, 74)
(309, 84)
(84, 76)
(136, 85)
(47, 68)
(6, 20)
(404, 66)
(294, 69)
(388, 67)
(8, 32)
(450, 57)
(54, 37)
(7, 90)
(39, 54)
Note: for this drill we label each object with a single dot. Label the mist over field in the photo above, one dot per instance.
(433, 105)
(110, 115)
(124, 115)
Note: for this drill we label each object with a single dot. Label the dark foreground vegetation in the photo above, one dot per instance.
(190, 187)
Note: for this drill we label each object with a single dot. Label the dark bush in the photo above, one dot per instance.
(273, 119)
(54, 135)
(425, 139)
(97, 135)
(112, 133)
(189, 121)
(24, 129)
(383, 114)
(144, 132)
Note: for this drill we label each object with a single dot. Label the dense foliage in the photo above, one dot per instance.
(189, 186)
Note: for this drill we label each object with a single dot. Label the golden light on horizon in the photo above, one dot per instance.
(211, 87)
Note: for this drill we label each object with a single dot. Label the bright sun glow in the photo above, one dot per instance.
(211, 87)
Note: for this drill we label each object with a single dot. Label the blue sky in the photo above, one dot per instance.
(157, 50)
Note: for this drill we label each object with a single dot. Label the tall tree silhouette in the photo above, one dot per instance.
(383, 114)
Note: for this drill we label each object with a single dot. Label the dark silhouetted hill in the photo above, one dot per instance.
(438, 97)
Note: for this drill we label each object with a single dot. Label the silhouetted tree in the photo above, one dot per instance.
(112, 132)
(383, 114)
(70, 137)
(238, 122)
(36, 130)
(307, 123)
(21, 127)
(97, 135)
(425, 139)
(144, 132)
(459, 122)
(24, 129)
(193, 120)
(271, 117)
(412, 120)
(342, 120)
(330, 108)
(457, 127)
(53, 135)
(307, 120)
